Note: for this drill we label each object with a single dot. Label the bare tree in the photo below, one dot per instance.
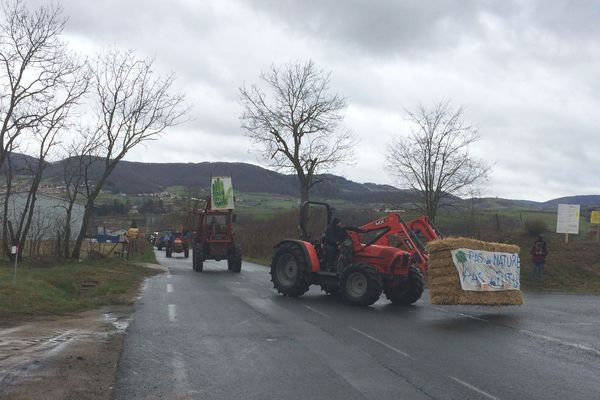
(132, 105)
(40, 83)
(434, 158)
(78, 168)
(34, 68)
(296, 124)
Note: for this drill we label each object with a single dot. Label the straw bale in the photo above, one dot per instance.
(444, 282)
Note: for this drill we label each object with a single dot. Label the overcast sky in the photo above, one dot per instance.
(527, 73)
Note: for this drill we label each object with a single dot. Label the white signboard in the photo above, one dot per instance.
(485, 271)
(221, 193)
(567, 219)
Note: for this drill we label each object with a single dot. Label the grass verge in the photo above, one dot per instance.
(66, 287)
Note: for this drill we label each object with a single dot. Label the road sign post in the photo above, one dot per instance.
(15, 250)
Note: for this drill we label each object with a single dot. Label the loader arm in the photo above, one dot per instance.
(406, 235)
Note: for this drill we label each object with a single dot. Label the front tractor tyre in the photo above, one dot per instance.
(234, 262)
(360, 284)
(407, 291)
(197, 259)
(290, 271)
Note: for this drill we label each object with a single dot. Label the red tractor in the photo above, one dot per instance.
(214, 239)
(363, 270)
(178, 243)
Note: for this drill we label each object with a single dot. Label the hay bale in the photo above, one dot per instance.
(444, 281)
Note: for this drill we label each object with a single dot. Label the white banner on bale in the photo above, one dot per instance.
(485, 271)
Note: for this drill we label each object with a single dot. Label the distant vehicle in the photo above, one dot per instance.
(178, 243)
(162, 238)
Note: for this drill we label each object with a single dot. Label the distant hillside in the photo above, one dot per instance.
(136, 177)
(587, 200)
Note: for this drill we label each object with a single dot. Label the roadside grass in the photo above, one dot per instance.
(66, 287)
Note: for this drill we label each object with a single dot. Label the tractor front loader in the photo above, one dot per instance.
(363, 270)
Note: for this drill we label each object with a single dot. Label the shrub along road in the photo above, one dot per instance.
(220, 335)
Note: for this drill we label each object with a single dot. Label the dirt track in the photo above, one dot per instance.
(71, 357)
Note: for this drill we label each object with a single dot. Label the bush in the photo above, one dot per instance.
(535, 227)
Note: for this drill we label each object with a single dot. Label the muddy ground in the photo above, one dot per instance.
(72, 357)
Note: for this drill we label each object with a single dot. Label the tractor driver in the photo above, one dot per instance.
(334, 235)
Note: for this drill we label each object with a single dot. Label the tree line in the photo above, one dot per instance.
(90, 112)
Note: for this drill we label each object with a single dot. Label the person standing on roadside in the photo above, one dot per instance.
(539, 251)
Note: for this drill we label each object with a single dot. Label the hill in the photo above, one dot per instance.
(137, 177)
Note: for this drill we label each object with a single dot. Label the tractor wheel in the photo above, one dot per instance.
(407, 291)
(360, 284)
(186, 252)
(197, 259)
(331, 289)
(289, 270)
(234, 262)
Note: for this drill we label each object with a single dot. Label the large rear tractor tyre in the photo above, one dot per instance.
(234, 262)
(409, 290)
(290, 273)
(360, 284)
(197, 259)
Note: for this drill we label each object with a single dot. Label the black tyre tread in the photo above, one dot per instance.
(302, 283)
(235, 262)
(409, 291)
(197, 259)
(374, 284)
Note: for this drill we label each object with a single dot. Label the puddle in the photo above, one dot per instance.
(118, 322)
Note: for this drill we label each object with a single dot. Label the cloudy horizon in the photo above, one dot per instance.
(523, 70)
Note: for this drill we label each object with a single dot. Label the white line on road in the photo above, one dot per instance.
(169, 288)
(322, 314)
(384, 344)
(561, 342)
(474, 388)
(172, 313)
(180, 374)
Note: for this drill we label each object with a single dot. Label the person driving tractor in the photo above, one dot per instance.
(334, 235)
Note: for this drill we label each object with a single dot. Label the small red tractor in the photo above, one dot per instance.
(392, 262)
(214, 239)
(178, 243)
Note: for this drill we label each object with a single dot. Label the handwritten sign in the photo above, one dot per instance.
(221, 193)
(485, 271)
(595, 218)
(567, 219)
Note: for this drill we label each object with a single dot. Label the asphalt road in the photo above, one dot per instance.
(220, 335)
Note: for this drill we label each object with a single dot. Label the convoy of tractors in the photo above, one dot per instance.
(383, 256)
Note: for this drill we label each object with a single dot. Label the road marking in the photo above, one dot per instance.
(474, 388)
(384, 344)
(322, 314)
(180, 375)
(561, 342)
(169, 288)
(172, 313)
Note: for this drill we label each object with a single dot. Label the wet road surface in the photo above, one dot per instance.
(220, 335)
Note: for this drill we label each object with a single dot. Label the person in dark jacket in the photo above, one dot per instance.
(334, 235)
(539, 251)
